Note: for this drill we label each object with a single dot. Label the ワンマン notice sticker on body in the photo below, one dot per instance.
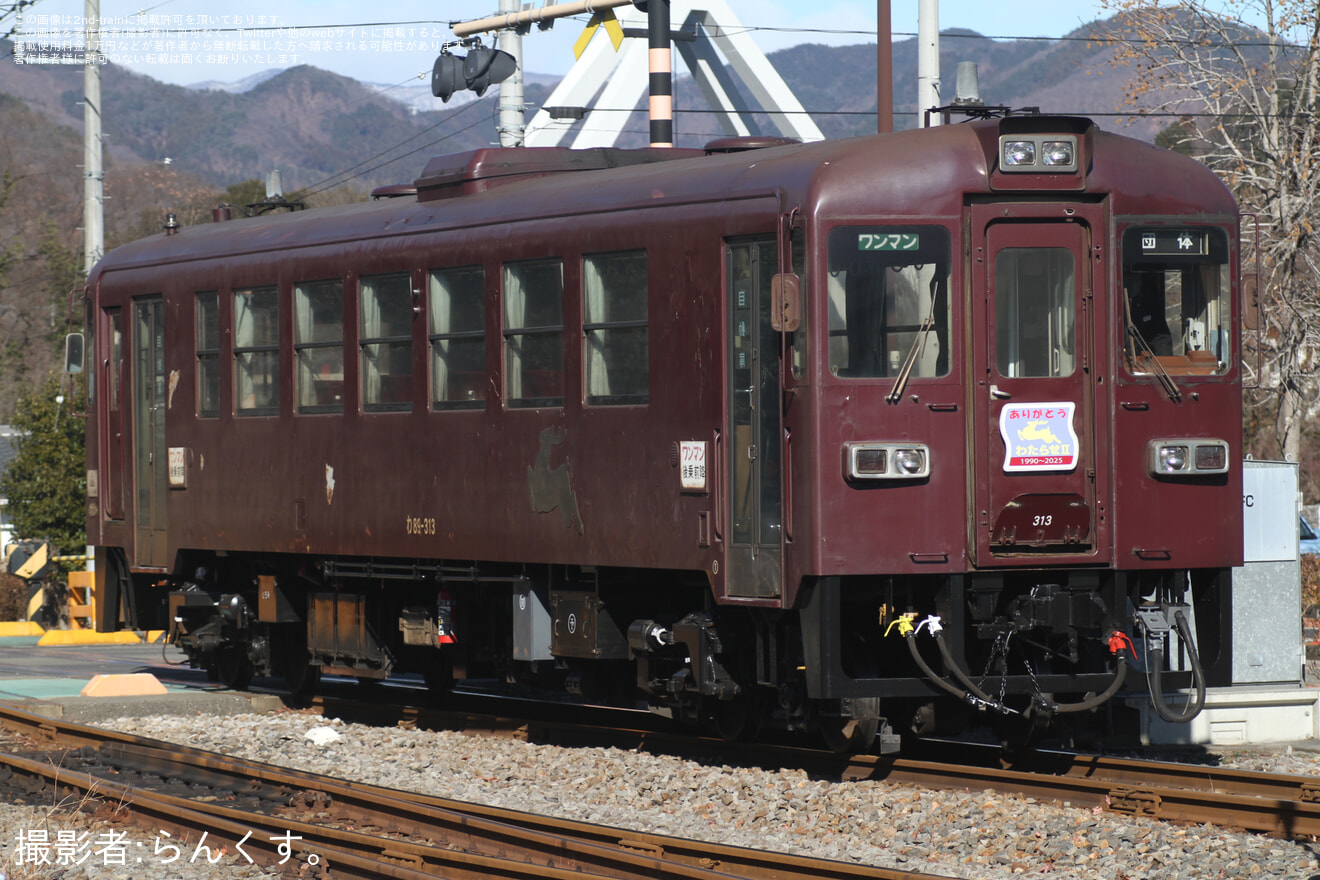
(1039, 436)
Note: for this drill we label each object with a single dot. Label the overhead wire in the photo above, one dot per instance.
(344, 176)
(333, 180)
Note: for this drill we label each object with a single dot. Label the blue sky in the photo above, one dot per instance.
(356, 47)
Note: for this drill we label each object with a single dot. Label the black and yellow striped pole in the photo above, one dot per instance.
(662, 74)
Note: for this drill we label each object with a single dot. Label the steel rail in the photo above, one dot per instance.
(222, 827)
(346, 853)
(1216, 802)
(583, 849)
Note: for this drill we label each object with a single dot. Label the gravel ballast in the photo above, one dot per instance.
(958, 834)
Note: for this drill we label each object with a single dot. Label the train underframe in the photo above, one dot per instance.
(862, 661)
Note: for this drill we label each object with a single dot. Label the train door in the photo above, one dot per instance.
(150, 465)
(756, 439)
(1035, 400)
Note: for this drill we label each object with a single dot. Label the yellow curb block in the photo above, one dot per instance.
(154, 636)
(88, 637)
(20, 628)
(136, 684)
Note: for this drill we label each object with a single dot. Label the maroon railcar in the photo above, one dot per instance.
(830, 435)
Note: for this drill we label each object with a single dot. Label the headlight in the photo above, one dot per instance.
(1173, 459)
(1038, 154)
(1019, 153)
(1188, 457)
(886, 461)
(1058, 153)
(910, 461)
(1212, 458)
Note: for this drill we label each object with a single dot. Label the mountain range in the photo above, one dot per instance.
(319, 127)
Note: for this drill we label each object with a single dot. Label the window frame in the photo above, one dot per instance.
(363, 342)
(626, 398)
(1203, 363)
(945, 329)
(306, 289)
(207, 358)
(436, 339)
(513, 334)
(270, 348)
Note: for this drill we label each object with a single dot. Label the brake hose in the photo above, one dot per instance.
(1156, 681)
(974, 694)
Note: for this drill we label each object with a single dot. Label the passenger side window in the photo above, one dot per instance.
(208, 354)
(533, 333)
(257, 351)
(615, 326)
(458, 338)
(385, 337)
(318, 346)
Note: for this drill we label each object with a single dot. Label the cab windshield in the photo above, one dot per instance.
(888, 301)
(1176, 310)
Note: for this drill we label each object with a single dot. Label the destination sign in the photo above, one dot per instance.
(888, 241)
(1174, 242)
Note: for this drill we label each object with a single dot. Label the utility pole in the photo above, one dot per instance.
(928, 60)
(512, 123)
(884, 67)
(93, 178)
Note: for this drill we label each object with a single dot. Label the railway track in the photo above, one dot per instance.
(364, 831)
(1286, 806)
(352, 824)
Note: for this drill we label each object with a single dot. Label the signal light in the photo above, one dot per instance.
(485, 67)
(447, 76)
(478, 71)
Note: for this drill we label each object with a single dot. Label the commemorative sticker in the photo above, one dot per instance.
(1039, 437)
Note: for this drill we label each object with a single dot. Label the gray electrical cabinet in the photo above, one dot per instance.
(1267, 589)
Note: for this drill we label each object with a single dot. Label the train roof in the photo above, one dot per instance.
(922, 172)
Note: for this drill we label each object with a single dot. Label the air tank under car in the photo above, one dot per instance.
(863, 438)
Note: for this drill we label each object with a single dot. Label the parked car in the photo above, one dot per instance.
(1310, 542)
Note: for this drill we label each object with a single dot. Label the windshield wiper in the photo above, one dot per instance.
(918, 344)
(1141, 346)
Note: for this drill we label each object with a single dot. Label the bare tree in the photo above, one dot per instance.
(1242, 75)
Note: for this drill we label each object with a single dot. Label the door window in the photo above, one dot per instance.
(1035, 312)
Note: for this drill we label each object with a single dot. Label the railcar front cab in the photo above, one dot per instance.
(1104, 417)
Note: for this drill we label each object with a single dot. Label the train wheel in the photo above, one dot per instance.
(846, 736)
(738, 719)
(301, 678)
(439, 676)
(233, 667)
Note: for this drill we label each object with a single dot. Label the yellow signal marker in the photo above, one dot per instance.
(612, 27)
